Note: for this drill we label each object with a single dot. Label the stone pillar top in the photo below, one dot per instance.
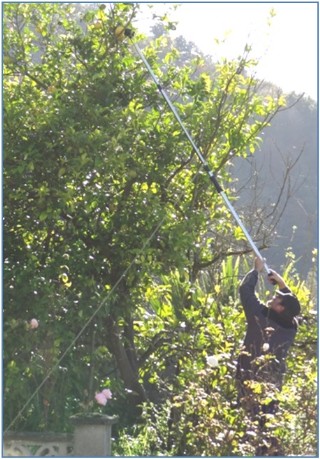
(94, 419)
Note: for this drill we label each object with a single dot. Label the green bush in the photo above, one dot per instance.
(199, 415)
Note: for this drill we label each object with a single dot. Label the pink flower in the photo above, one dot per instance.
(107, 393)
(101, 399)
(34, 323)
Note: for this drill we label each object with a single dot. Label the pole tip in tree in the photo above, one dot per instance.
(121, 33)
(129, 33)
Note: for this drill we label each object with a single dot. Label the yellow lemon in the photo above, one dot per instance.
(119, 33)
(97, 25)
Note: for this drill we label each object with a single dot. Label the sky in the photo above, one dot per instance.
(286, 46)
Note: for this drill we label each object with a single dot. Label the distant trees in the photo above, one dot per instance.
(114, 239)
(286, 159)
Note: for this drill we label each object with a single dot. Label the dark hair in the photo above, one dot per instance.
(290, 303)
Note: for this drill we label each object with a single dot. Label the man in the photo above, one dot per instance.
(271, 330)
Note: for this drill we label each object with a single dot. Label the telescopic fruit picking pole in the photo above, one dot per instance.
(129, 33)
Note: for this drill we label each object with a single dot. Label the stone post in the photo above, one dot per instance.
(92, 434)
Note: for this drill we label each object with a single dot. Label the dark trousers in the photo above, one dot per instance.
(269, 408)
(270, 445)
(247, 399)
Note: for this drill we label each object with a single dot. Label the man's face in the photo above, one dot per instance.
(275, 304)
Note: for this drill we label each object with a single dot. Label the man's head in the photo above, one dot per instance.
(285, 304)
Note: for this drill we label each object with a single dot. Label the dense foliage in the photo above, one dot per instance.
(199, 413)
(116, 242)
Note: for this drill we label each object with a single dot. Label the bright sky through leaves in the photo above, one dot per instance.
(282, 35)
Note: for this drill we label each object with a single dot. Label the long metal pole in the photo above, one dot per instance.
(200, 156)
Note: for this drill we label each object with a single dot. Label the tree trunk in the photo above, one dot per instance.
(125, 363)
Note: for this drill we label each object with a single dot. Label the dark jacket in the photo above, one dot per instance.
(266, 335)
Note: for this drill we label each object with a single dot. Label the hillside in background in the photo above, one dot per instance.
(289, 145)
(291, 137)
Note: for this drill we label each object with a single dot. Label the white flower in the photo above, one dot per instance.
(212, 361)
(265, 347)
(33, 323)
